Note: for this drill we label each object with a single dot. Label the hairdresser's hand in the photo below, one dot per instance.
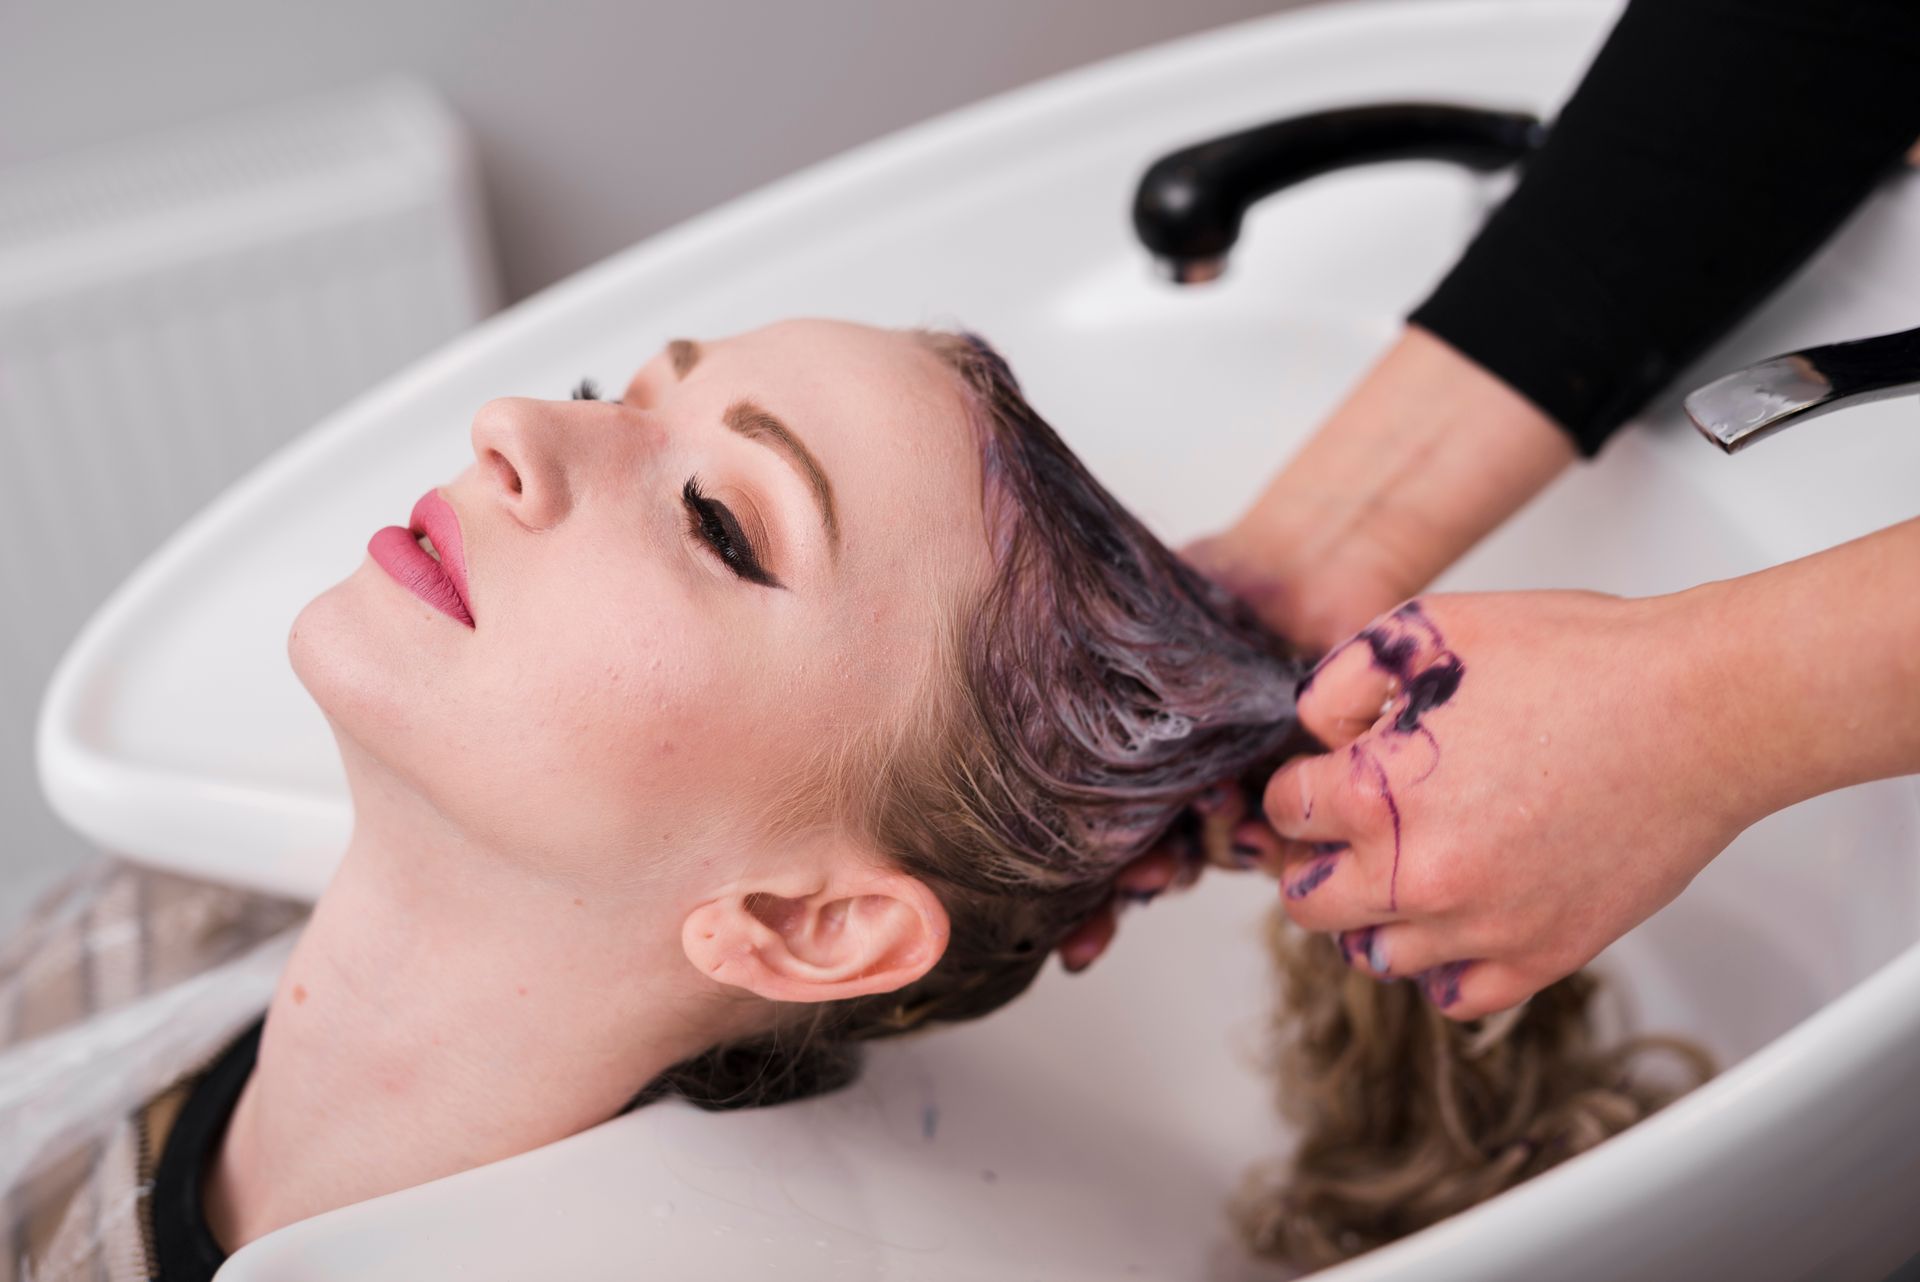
(1426, 455)
(1227, 832)
(1515, 781)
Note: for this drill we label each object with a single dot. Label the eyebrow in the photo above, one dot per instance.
(683, 354)
(756, 424)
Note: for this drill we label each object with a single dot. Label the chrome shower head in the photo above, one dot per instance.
(1751, 404)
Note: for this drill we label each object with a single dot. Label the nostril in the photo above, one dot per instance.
(508, 474)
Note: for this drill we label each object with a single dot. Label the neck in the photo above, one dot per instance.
(445, 1008)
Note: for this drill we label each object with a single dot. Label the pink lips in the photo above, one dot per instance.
(441, 584)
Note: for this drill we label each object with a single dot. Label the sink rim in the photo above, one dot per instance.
(1798, 1068)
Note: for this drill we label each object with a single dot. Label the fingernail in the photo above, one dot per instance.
(1442, 983)
(1353, 943)
(1376, 952)
(1309, 881)
(1244, 855)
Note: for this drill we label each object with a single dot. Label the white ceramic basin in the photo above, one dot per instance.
(1095, 1129)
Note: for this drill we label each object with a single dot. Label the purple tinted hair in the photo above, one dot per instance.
(1094, 688)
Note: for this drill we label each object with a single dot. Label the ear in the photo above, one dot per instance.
(865, 931)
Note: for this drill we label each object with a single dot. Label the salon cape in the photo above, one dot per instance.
(116, 993)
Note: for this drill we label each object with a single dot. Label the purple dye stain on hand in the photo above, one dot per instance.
(1442, 983)
(1306, 683)
(1356, 943)
(1428, 689)
(1391, 653)
(1396, 643)
(1318, 870)
(1364, 762)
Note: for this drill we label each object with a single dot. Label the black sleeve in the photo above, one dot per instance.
(1711, 149)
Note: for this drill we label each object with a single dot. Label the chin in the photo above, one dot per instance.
(369, 656)
(386, 671)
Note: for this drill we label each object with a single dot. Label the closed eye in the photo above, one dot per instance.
(714, 524)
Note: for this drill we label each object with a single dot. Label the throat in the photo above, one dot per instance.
(434, 1020)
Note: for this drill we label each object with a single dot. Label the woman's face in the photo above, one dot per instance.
(678, 600)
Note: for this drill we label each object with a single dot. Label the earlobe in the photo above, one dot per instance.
(878, 933)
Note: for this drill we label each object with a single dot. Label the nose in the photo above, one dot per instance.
(525, 450)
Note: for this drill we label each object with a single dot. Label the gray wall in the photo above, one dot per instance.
(596, 122)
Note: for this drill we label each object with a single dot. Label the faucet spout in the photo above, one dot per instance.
(1752, 404)
(1189, 204)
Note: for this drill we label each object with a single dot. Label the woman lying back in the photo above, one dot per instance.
(807, 693)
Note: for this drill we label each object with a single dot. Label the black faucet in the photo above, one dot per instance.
(1188, 208)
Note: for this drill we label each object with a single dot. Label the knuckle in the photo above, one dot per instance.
(1496, 935)
(1361, 808)
(1548, 964)
(1281, 793)
(1426, 887)
(1304, 912)
(1438, 880)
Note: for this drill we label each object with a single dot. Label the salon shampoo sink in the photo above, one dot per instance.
(1095, 1129)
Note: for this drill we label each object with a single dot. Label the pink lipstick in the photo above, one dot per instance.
(442, 582)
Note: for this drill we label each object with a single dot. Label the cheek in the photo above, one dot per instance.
(612, 721)
(585, 727)
(607, 702)
(554, 732)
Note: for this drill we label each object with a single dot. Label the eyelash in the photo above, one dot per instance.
(714, 525)
(710, 522)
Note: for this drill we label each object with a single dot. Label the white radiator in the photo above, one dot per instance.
(170, 312)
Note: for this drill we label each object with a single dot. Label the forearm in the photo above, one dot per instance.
(1426, 456)
(1676, 190)
(1813, 681)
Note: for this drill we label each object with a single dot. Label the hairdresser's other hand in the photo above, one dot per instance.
(1426, 455)
(1221, 835)
(1515, 781)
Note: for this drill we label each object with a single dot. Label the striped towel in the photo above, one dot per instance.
(119, 988)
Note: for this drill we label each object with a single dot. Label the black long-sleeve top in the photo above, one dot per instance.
(1710, 150)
